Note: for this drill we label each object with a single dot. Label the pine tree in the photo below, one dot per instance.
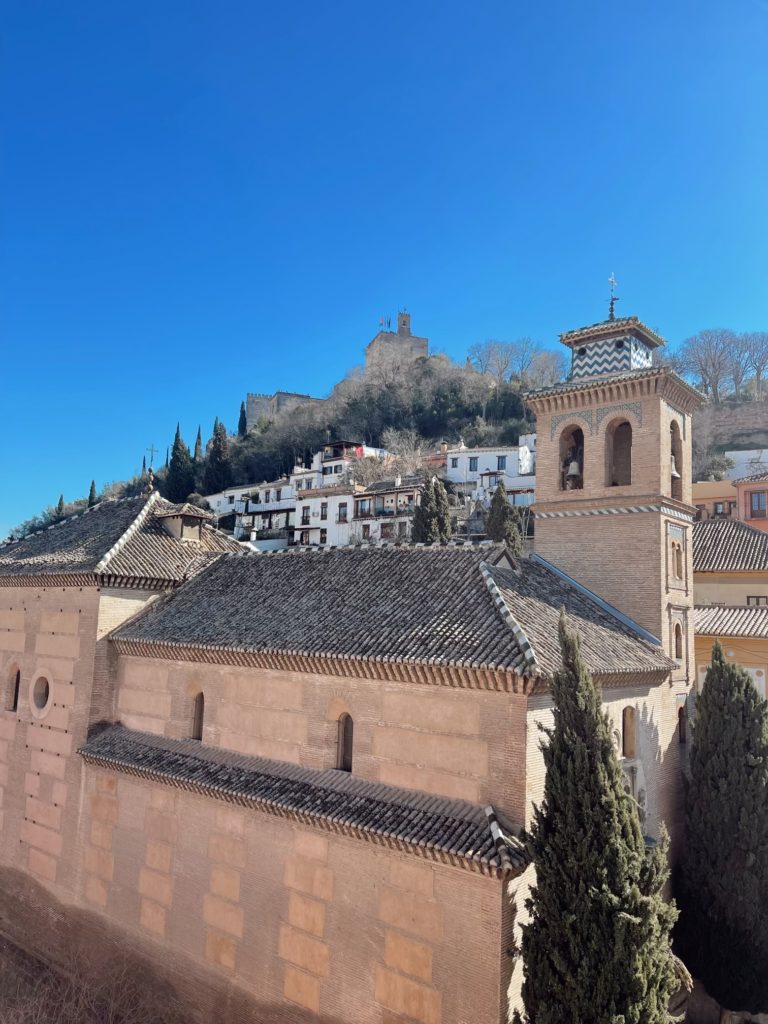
(218, 470)
(425, 528)
(180, 479)
(503, 523)
(723, 930)
(242, 423)
(597, 947)
(442, 511)
(92, 496)
(198, 457)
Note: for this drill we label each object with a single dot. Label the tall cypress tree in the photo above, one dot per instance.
(503, 523)
(218, 470)
(723, 929)
(144, 466)
(180, 479)
(92, 497)
(597, 947)
(242, 423)
(425, 528)
(198, 457)
(60, 507)
(442, 511)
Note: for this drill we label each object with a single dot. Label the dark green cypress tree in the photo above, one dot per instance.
(442, 511)
(242, 423)
(167, 456)
(597, 947)
(60, 507)
(723, 929)
(425, 529)
(198, 457)
(218, 470)
(503, 524)
(144, 466)
(92, 496)
(180, 479)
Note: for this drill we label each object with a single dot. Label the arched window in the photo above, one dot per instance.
(198, 717)
(344, 754)
(14, 684)
(682, 721)
(618, 454)
(628, 732)
(571, 459)
(676, 467)
(679, 561)
(678, 641)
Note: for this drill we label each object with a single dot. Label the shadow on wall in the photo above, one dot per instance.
(85, 950)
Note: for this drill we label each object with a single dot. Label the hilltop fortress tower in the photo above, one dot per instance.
(397, 347)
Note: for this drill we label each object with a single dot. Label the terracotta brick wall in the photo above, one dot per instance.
(468, 744)
(295, 916)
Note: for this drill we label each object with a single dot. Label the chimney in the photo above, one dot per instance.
(404, 323)
(443, 447)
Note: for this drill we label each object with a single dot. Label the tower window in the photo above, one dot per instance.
(679, 561)
(618, 454)
(678, 642)
(572, 459)
(344, 753)
(12, 703)
(629, 732)
(197, 717)
(676, 467)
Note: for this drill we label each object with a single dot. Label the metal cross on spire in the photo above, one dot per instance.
(152, 450)
(614, 299)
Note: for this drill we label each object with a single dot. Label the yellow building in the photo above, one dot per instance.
(730, 580)
(714, 499)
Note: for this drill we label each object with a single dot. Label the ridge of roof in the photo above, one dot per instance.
(151, 501)
(529, 654)
(755, 478)
(7, 543)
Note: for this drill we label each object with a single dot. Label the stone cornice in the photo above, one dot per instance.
(591, 392)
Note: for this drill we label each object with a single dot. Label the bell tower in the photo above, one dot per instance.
(613, 480)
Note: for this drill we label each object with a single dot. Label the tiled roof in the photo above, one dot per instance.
(114, 538)
(726, 545)
(431, 826)
(183, 509)
(607, 328)
(403, 604)
(756, 478)
(719, 620)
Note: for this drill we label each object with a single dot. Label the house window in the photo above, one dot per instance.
(12, 704)
(344, 749)
(757, 504)
(307, 485)
(387, 531)
(338, 469)
(757, 599)
(678, 642)
(719, 508)
(628, 732)
(501, 462)
(198, 714)
(700, 510)
(342, 511)
(473, 464)
(305, 515)
(327, 470)
(571, 459)
(278, 494)
(324, 510)
(363, 508)
(493, 481)
(323, 536)
(618, 454)
(402, 530)
(454, 463)
(304, 537)
(231, 499)
(366, 531)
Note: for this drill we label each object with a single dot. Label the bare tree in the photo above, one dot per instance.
(479, 356)
(546, 368)
(707, 357)
(757, 351)
(494, 358)
(739, 362)
(523, 351)
(408, 448)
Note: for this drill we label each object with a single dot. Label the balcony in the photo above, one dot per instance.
(341, 520)
(278, 533)
(385, 513)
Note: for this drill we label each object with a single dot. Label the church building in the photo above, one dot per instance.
(296, 781)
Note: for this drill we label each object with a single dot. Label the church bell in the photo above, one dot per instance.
(674, 474)
(574, 470)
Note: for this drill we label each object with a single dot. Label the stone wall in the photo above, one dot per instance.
(731, 426)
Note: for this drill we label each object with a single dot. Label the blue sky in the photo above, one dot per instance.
(200, 200)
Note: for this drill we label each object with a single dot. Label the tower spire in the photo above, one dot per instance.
(614, 299)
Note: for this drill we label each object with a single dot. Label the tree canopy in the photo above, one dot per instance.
(503, 522)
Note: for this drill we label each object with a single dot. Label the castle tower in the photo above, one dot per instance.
(613, 480)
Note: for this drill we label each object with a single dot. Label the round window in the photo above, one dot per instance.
(581, 352)
(619, 343)
(41, 693)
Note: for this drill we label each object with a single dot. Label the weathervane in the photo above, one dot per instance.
(614, 300)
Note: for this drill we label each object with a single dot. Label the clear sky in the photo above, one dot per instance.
(205, 199)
